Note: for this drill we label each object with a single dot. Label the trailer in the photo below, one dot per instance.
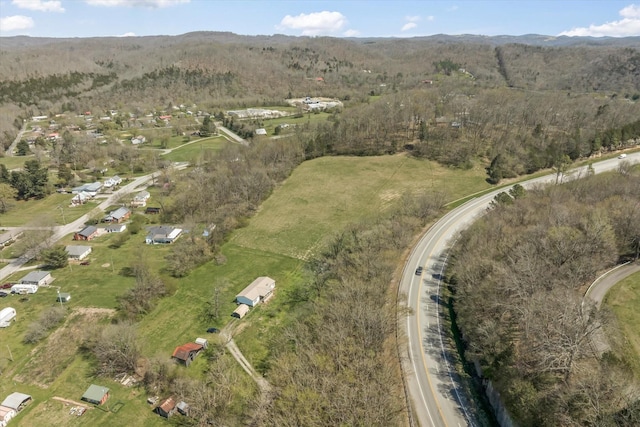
(6, 316)
(24, 288)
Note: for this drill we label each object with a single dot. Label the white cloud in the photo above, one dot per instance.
(39, 5)
(408, 26)
(136, 3)
(316, 23)
(15, 23)
(629, 25)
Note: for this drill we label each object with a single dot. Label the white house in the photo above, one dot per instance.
(138, 140)
(112, 182)
(259, 290)
(115, 228)
(80, 198)
(7, 314)
(140, 199)
(91, 189)
(77, 252)
(37, 277)
(162, 234)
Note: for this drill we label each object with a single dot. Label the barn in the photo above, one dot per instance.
(16, 401)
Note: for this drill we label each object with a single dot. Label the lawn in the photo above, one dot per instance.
(624, 300)
(325, 194)
(190, 151)
(15, 162)
(44, 212)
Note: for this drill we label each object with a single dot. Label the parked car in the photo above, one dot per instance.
(213, 330)
(6, 286)
(3, 294)
(85, 263)
(419, 271)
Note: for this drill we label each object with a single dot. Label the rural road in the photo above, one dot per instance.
(432, 383)
(602, 284)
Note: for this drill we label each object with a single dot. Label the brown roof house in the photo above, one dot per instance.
(86, 233)
(186, 353)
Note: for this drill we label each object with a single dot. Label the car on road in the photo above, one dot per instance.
(213, 330)
(622, 156)
(419, 271)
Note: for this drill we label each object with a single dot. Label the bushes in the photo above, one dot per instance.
(39, 329)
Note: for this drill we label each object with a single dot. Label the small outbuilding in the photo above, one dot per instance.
(259, 290)
(37, 277)
(240, 311)
(166, 408)
(182, 407)
(78, 253)
(63, 297)
(16, 401)
(203, 342)
(7, 314)
(96, 394)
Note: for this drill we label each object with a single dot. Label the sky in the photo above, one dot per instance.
(346, 18)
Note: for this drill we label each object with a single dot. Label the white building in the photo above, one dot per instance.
(77, 252)
(259, 290)
(6, 316)
(21, 288)
(37, 277)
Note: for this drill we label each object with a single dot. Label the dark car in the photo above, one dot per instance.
(6, 286)
(3, 294)
(418, 271)
(85, 263)
(213, 330)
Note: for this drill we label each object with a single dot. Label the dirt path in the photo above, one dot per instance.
(71, 402)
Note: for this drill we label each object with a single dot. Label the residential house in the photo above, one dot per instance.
(138, 140)
(186, 353)
(162, 234)
(259, 290)
(78, 253)
(9, 237)
(166, 408)
(140, 199)
(92, 188)
(80, 198)
(117, 216)
(37, 277)
(114, 181)
(87, 233)
(96, 394)
(115, 228)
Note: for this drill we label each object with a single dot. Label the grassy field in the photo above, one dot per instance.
(325, 194)
(45, 212)
(190, 151)
(624, 300)
(15, 162)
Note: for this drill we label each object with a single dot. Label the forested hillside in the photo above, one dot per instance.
(518, 277)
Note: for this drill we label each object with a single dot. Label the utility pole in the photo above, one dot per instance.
(10, 355)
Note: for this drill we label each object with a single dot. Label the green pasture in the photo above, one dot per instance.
(624, 300)
(325, 194)
(190, 151)
(15, 162)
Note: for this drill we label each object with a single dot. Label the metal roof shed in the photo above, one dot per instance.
(16, 401)
(96, 394)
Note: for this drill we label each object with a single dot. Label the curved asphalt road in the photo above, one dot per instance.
(432, 384)
(602, 284)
